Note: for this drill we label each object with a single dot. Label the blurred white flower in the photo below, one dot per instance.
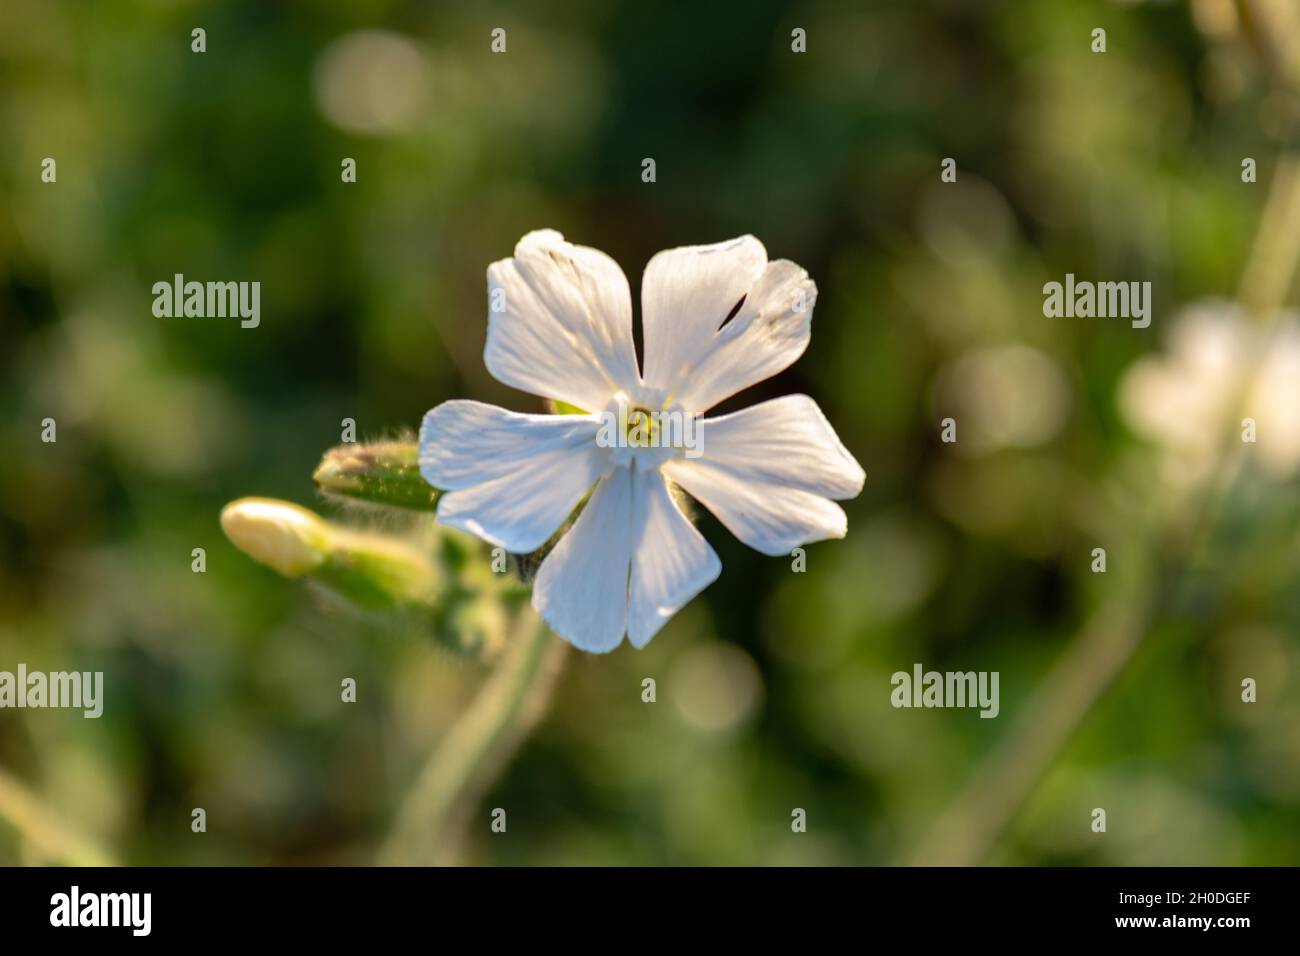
(1220, 368)
(372, 81)
(560, 327)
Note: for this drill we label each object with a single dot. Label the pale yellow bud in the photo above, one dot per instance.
(279, 534)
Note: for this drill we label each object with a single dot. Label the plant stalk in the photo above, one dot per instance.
(51, 839)
(466, 761)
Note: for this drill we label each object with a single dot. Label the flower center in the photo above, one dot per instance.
(642, 428)
(635, 429)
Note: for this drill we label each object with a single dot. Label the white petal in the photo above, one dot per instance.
(769, 518)
(785, 441)
(766, 336)
(560, 322)
(511, 479)
(768, 473)
(671, 561)
(581, 588)
(686, 295)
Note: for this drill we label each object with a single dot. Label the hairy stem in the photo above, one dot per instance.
(474, 751)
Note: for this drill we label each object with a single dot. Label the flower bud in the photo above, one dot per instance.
(371, 570)
(385, 473)
(290, 539)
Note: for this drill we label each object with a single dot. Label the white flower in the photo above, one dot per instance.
(560, 326)
(1220, 367)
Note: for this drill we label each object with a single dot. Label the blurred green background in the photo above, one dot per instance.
(222, 689)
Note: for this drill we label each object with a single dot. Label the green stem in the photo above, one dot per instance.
(51, 839)
(964, 835)
(467, 760)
